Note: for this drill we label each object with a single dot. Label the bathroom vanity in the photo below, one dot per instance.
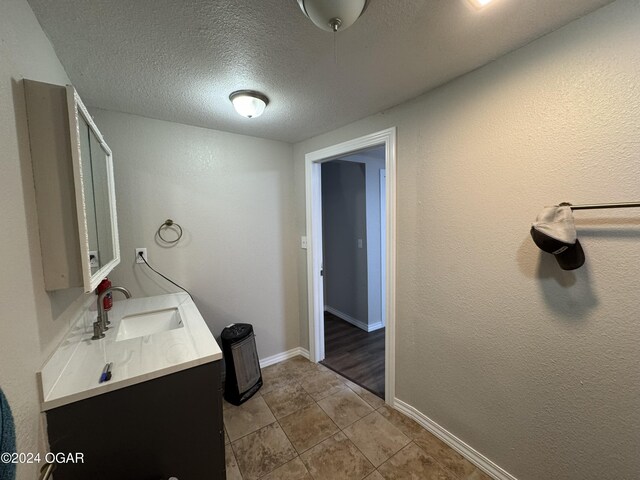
(160, 414)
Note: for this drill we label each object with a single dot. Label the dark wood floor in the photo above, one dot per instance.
(354, 353)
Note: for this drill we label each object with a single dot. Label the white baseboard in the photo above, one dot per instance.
(375, 326)
(475, 457)
(279, 357)
(353, 321)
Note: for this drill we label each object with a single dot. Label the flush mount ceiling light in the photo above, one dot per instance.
(333, 15)
(249, 103)
(480, 3)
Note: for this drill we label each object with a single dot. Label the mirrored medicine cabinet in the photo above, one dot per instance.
(75, 193)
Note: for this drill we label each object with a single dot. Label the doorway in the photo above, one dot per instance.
(353, 281)
(380, 299)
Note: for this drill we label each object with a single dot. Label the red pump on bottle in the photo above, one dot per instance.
(107, 302)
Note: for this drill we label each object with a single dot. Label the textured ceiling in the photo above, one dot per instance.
(178, 60)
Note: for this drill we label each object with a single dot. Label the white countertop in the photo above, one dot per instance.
(73, 371)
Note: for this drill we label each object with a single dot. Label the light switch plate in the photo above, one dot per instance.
(303, 242)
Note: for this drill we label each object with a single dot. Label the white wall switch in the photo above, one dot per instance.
(144, 254)
(303, 242)
(359, 243)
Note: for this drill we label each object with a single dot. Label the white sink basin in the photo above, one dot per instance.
(148, 323)
(150, 337)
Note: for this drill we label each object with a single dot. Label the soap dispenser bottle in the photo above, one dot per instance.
(107, 302)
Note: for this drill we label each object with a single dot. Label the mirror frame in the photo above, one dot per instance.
(77, 109)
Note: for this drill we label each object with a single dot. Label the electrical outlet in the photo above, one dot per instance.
(144, 254)
(359, 243)
(303, 242)
(93, 259)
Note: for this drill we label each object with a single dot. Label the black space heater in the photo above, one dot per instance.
(243, 376)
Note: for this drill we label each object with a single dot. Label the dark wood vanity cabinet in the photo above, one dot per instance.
(166, 427)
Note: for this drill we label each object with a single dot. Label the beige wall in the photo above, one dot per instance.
(233, 196)
(535, 367)
(31, 321)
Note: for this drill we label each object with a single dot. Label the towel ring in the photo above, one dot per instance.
(169, 224)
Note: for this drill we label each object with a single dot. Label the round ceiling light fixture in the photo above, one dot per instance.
(333, 15)
(249, 103)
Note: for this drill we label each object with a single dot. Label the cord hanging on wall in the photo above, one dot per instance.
(169, 224)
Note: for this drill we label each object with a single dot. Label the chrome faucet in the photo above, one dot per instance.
(100, 325)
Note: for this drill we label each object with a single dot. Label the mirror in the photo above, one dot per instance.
(95, 175)
(92, 227)
(100, 159)
(95, 196)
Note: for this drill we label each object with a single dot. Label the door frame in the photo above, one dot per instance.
(383, 242)
(313, 182)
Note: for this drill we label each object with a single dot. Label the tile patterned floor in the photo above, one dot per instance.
(309, 423)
